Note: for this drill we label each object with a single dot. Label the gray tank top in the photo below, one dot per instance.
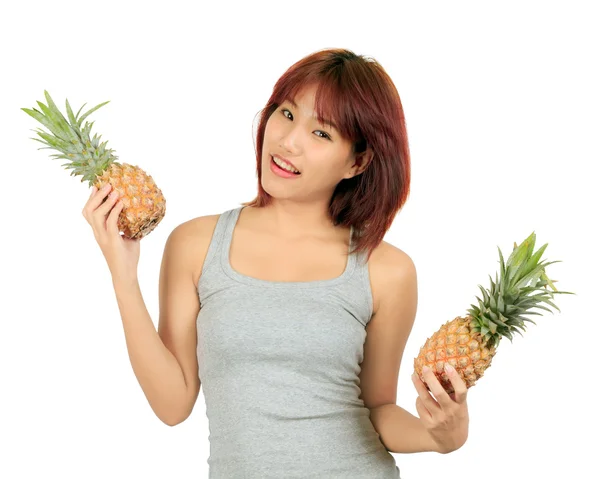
(279, 364)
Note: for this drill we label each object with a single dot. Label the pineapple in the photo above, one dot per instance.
(144, 205)
(469, 342)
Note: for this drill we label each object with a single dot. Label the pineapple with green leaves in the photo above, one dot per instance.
(468, 343)
(144, 205)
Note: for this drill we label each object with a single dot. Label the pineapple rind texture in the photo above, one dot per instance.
(469, 343)
(457, 344)
(144, 205)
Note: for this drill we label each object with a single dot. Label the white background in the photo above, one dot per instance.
(502, 108)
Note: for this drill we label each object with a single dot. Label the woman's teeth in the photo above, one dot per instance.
(284, 166)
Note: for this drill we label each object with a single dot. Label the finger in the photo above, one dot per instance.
(95, 200)
(112, 220)
(460, 387)
(100, 196)
(86, 208)
(422, 410)
(99, 216)
(426, 398)
(438, 391)
(103, 210)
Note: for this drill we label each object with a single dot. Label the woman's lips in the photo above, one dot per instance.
(280, 171)
(285, 160)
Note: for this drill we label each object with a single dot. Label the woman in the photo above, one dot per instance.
(291, 309)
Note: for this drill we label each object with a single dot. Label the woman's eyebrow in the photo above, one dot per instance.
(327, 122)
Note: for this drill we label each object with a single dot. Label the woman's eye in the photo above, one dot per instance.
(283, 110)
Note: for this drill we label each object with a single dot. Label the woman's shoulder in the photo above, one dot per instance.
(387, 262)
(386, 254)
(193, 239)
(199, 226)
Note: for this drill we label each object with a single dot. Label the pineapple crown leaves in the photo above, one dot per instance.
(502, 309)
(87, 157)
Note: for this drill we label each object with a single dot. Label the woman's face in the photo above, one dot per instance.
(317, 150)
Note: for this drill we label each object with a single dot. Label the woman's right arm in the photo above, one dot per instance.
(165, 361)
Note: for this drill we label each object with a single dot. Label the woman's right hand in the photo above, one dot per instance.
(122, 254)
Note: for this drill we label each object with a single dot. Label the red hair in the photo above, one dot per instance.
(357, 94)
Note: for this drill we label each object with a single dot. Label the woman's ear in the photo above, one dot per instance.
(361, 161)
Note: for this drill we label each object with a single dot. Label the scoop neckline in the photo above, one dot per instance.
(250, 280)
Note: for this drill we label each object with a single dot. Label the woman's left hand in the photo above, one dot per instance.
(446, 417)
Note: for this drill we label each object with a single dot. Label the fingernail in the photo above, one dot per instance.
(426, 369)
(448, 368)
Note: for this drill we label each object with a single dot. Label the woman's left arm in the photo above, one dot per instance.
(443, 422)
(442, 425)
(400, 431)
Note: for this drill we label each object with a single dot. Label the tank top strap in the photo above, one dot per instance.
(221, 237)
(228, 227)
